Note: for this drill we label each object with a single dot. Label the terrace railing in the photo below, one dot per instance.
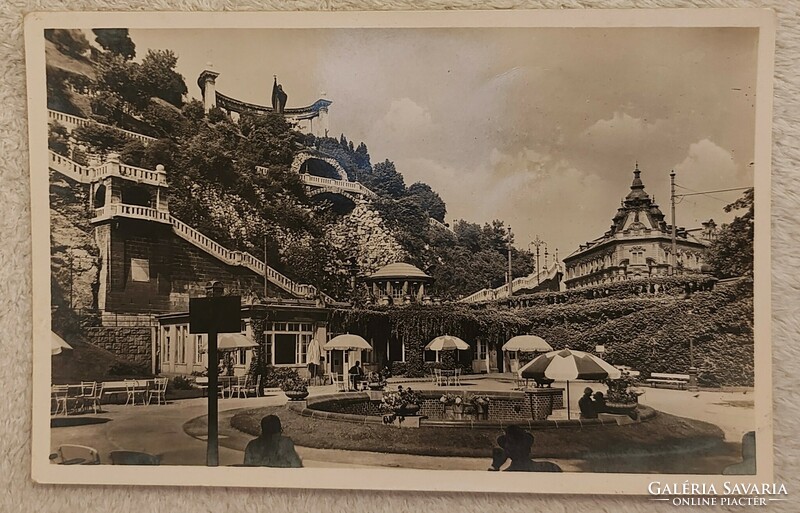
(71, 122)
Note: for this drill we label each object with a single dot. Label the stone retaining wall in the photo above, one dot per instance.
(132, 343)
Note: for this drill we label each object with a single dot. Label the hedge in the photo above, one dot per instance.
(648, 333)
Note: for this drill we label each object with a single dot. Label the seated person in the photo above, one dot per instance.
(272, 449)
(516, 445)
(356, 374)
(600, 403)
(586, 405)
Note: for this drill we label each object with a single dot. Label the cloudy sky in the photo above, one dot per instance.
(538, 127)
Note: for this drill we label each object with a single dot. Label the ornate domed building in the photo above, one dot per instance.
(399, 283)
(638, 245)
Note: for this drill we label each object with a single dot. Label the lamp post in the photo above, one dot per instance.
(537, 242)
(692, 385)
(672, 234)
(510, 289)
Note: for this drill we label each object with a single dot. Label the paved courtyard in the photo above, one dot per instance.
(177, 431)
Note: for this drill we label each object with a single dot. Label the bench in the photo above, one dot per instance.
(119, 387)
(679, 380)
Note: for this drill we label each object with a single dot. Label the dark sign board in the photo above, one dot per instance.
(215, 314)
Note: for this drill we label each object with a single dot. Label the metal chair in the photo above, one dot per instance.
(87, 392)
(339, 381)
(75, 455)
(133, 388)
(159, 391)
(254, 388)
(59, 394)
(94, 398)
(240, 388)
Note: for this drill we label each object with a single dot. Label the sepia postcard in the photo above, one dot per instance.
(517, 251)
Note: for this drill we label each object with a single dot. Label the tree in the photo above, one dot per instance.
(157, 77)
(100, 138)
(121, 79)
(58, 138)
(385, 180)
(71, 42)
(194, 111)
(361, 157)
(116, 41)
(133, 153)
(165, 120)
(731, 253)
(428, 200)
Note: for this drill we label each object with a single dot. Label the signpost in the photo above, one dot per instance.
(212, 315)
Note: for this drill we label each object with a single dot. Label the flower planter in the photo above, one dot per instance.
(376, 386)
(621, 408)
(454, 411)
(296, 395)
(407, 410)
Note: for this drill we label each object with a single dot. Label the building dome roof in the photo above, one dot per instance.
(399, 270)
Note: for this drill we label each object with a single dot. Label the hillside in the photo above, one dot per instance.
(211, 162)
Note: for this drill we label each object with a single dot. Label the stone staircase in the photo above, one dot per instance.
(86, 174)
(523, 283)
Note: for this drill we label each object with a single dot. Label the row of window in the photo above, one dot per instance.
(176, 340)
(285, 344)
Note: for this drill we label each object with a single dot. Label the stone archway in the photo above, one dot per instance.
(302, 158)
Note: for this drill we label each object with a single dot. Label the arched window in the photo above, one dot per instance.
(100, 197)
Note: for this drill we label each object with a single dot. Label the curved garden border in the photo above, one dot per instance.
(306, 409)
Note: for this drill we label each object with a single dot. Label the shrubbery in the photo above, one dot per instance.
(275, 377)
(181, 383)
(645, 333)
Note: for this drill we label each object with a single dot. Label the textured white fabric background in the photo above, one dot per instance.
(19, 493)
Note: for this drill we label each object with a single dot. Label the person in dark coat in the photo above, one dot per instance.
(600, 403)
(356, 374)
(272, 449)
(516, 445)
(587, 406)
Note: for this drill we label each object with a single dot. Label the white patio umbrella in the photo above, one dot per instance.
(233, 341)
(57, 344)
(526, 344)
(446, 343)
(347, 342)
(568, 365)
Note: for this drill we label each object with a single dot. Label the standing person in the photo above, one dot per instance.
(586, 405)
(272, 449)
